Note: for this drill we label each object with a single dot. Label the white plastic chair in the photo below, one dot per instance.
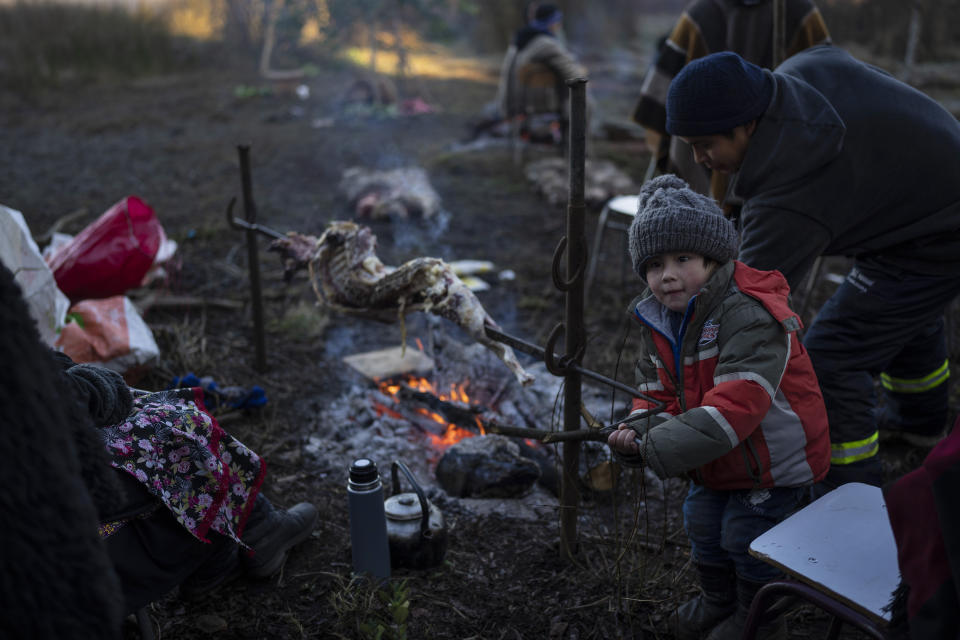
(617, 214)
(839, 554)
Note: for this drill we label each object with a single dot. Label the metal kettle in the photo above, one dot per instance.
(415, 528)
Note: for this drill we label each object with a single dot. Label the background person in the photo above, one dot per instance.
(705, 27)
(537, 42)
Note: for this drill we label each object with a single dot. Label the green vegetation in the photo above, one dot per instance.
(364, 610)
(47, 43)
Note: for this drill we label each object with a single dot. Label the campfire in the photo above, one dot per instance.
(437, 426)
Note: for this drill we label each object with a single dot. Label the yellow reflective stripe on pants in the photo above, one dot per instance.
(848, 452)
(916, 385)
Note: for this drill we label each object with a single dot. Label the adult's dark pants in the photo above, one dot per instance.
(887, 322)
(153, 554)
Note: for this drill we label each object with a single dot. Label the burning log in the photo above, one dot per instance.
(461, 416)
(348, 277)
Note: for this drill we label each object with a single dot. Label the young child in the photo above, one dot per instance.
(744, 418)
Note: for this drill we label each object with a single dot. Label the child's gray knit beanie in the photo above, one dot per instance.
(673, 217)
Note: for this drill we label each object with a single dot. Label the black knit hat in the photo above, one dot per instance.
(546, 12)
(716, 94)
(673, 217)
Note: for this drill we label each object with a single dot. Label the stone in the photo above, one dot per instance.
(489, 466)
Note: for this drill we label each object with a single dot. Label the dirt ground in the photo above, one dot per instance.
(173, 141)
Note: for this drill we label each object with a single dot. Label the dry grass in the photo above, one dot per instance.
(44, 43)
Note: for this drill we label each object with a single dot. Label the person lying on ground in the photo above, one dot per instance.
(832, 156)
(743, 415)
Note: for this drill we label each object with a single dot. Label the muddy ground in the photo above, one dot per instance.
(172, 140)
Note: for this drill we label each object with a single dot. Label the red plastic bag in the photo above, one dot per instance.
(111, 255)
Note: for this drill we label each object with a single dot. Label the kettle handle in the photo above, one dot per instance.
(424, 505)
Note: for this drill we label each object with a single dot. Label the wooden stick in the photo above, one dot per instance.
(547, 437)
(46, 236)
(151, 301)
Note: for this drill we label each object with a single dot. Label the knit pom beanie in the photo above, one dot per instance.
(672, 217)
(716, 94)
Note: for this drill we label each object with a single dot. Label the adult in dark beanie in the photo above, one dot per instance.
(710, 26)
(742, 414)
(843, 159)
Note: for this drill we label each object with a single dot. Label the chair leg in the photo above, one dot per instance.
(815, 275)
(768, 594)
(516, 124)
(595, 250)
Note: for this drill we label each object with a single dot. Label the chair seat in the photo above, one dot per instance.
(624, 205)
(839, 554)
(842, 545)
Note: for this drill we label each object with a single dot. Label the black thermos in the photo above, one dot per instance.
(368, 524)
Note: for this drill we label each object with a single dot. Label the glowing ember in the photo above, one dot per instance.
(457, 393)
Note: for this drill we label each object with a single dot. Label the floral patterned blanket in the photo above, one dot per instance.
(176, 449)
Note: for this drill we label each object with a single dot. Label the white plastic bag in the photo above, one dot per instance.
(19, 253)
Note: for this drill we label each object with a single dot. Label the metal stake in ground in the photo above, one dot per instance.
(574, 334)
(253, 258)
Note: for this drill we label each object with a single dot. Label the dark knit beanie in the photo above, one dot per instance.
(715, 94)
(673, 217)
(547, 13)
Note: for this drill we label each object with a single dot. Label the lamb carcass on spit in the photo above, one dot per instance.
(349, 277)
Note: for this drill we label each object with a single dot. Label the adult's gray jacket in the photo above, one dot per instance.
(849, 161)
(544, 49)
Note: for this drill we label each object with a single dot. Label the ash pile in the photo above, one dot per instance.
(431, 418)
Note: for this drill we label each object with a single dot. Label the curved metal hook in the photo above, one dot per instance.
(560, 366)
(230, 219)
(558, 281)
(553, 366)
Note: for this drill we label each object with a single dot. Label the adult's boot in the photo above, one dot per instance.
(717, 600)
(274, 534)
(733, 626)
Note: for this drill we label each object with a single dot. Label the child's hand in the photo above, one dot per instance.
(624, 440)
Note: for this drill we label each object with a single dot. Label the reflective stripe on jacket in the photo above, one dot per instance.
(743, 406)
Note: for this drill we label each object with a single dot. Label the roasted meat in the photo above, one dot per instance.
(349, 277)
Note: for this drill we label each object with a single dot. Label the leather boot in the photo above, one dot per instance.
(696, 617)
(274, 536)
(732, 628)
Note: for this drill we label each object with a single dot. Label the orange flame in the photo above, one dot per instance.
(457, 394)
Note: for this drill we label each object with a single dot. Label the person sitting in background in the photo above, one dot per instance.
(743, 417)
(708, 26)
(538, 42)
